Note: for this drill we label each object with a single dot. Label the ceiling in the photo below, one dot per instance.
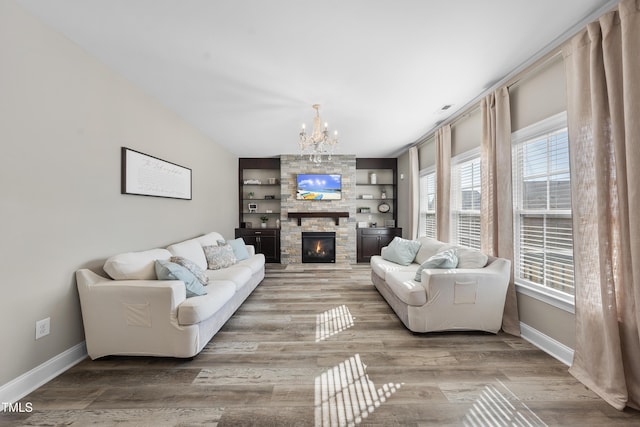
(246, 72)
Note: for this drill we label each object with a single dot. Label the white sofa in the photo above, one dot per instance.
(135, 314)
(469, 297)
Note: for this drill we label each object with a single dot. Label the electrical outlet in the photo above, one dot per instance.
(43, 327)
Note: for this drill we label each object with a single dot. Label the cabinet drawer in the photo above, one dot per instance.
(377, 231)
(241, 232)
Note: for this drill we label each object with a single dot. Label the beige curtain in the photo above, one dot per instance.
(443, 179)
(603, 88)
(414, 192)
(496, 237)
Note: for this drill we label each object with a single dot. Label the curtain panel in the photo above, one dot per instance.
(603, 88)
(414, 192)
(496, 206)
(443, 178)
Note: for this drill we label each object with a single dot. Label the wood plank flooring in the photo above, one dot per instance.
(320, 347)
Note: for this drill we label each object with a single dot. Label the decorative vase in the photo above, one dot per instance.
(263, 225)
(374, 178)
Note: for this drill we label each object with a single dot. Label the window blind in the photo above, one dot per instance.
(465, 200)
(427, 226)
(542, 211)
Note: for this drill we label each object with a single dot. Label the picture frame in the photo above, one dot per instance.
(145, 175)
(389, 223)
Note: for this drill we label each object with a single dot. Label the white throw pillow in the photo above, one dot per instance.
(428, 248)
(210, 239)
(471, 258)
(135, 265)
(191, 250)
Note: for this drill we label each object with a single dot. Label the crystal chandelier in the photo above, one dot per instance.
(319, 142)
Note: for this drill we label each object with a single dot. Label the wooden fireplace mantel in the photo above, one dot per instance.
(335, 215)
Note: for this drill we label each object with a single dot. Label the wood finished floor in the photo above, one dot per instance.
(320, 347)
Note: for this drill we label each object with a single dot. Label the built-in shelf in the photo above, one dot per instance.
(335, 215)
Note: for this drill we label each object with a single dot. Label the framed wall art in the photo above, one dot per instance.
(145, 175)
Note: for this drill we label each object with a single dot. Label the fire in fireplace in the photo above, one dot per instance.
(318, 246)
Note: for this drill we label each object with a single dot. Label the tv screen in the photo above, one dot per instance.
(319, 187)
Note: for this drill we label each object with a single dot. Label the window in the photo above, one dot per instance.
(465, 200)
(542, 207)
(427, 225)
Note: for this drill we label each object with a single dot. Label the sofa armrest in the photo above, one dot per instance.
(129, 316)
(488, 284)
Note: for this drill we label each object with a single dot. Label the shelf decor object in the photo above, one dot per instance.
(145, 175)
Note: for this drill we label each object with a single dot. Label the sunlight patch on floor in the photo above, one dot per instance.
(499, 406)
(344, 394)
(332, 322)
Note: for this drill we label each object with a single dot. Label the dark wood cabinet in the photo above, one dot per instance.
(372, 240)
(265, 240)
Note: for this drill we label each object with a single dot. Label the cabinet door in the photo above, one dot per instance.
(368, 245)
(270, 248)
(385, 239)
(247, 235)
(266, 242)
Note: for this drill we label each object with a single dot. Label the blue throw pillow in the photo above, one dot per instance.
(401, 251)
(166, 270)
(444, 259)
(238, 246)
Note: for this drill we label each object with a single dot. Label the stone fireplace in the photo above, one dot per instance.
(318, 246)
(343, 227)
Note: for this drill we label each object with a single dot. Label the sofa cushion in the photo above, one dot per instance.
(190, 249)
(470, 258)
(401, 251)
(254, 262)
(238, 274)
(428, 248)
(210, 239)
(195, 310)
(405, 288)
(166, 270)
(135, 265)
(192, 267)
(238, 246)
(381, 266)
(444, 259)
(219, 256)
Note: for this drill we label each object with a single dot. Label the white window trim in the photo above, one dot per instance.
(427, 171)
(543, 127)
(467, 155)
(550, 296)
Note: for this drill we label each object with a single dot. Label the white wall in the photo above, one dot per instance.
(63, 118)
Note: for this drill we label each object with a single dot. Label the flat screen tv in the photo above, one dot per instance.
(319, 186)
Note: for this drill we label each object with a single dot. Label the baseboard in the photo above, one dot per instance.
(547, 344)
(26, 383)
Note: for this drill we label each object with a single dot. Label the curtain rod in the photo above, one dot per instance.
(539, 59)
